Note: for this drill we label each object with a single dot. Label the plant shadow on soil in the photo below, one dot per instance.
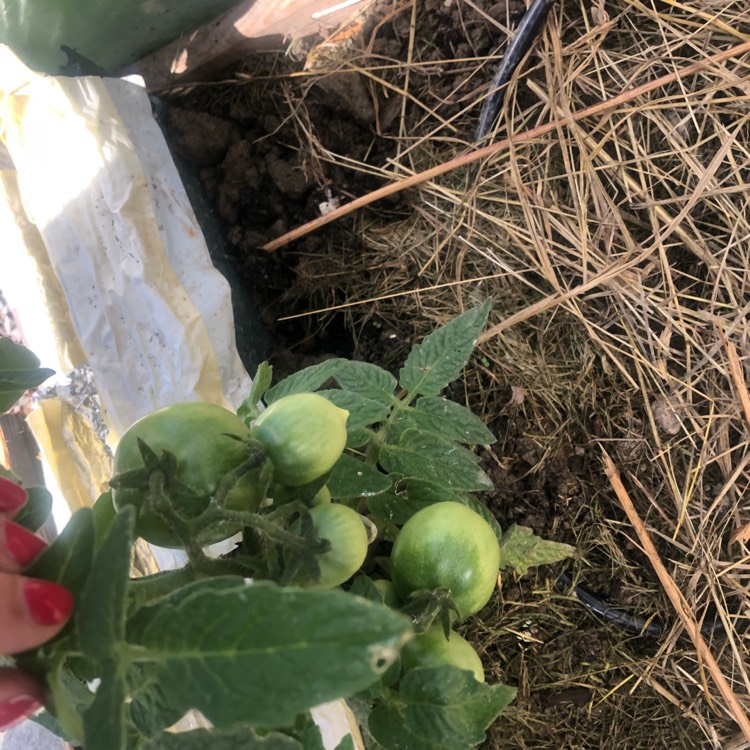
(261, 152)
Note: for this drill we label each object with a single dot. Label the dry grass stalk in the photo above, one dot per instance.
(681, 606)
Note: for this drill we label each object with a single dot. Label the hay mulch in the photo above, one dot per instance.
(616, 247)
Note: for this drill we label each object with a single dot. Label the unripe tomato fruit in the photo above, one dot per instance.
(198, 434)
(433, 649)
(303, 434)
(447, 545)
(344, 529)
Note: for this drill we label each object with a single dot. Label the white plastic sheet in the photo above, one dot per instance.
(151, 313)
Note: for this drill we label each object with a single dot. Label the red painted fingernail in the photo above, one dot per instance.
(16, 708)
(12, 496)
(48, 603)
(21, 543)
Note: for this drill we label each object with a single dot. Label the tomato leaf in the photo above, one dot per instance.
(103, 720)
(101, 615)
(352, 478)
(426, 456)
(19, 371)
(369, 380)
(440, 357)
(438, 708)
(68, 559)
(521, 548)
(393, 508)
(37, 509)
(241, 737)
(305, 381)
(451, 420)
(363, 411)
(236, 651)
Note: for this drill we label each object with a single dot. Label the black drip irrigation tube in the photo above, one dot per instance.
(648, 626)
(528, 29)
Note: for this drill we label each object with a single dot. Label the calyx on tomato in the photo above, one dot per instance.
(206, 442)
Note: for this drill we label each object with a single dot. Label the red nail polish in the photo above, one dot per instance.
(48, 603)
(17, 708)
(12, 496)
(21, 543)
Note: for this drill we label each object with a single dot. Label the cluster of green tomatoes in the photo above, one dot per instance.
(199, 449)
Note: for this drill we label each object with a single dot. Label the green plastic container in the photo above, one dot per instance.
(111, 33)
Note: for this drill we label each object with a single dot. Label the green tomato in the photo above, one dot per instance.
(447, 545)
(344, 529)
(433, 649)
(198, 434)
(303, 434)
(322, 496)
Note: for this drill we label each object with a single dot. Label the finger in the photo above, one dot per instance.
(20, 696)
(12, 497)
(31, 612)
(18, 546)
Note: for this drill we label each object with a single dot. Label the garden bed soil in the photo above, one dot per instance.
(281, 140)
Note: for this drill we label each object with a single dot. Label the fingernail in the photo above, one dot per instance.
(21, 543)
(12, 496)
(17, 708)
(48, 603)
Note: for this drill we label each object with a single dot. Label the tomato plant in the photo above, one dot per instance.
(303, 434)
(258, 636)
(447, 545)
(206, 442)
(433, 649)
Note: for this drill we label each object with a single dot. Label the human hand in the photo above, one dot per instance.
(31, 610)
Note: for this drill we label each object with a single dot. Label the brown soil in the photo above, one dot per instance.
(271, 148)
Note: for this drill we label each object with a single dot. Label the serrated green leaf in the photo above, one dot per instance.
(305, 381)
(19, 371)
(101, 615)
(521, 548)
(352, 478)
(367, 379)
(236, 651)
(426, 456)
(440, 357)
(36, 510)
(358, 438)
(363, 411)
(241, 738)
(451, 420)
(103, 720)
(438, 708)
(68, 559)
(391, 507)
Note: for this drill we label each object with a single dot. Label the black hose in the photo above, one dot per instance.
(629, 622)
(528, 29)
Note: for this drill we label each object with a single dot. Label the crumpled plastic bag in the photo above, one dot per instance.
(150, 312)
